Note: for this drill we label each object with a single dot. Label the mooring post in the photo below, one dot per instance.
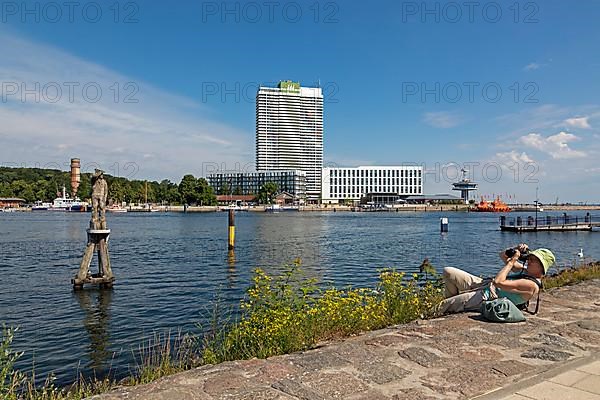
(231, 229)
(444, 224)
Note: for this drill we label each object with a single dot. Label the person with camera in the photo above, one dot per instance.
(466, 292)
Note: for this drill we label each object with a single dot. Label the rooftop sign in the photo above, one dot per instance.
(289, 86)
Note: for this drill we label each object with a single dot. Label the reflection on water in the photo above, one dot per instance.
(96, 321)
(231, 274)
(169, 267)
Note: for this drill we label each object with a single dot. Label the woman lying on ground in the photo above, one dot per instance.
(466, 292)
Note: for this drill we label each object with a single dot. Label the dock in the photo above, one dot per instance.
(550, 223)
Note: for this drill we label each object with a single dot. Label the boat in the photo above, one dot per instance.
(40, 206)
(116, 209)
(495, 206)
(290, 208)
(274, 208)
(65, 203)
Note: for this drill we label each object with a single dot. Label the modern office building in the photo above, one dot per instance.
(384, 183)
(289, 132)
(249, 183)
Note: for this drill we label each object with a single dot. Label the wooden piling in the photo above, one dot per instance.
(231, 230)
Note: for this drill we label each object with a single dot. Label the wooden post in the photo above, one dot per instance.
(97, 242)
(231, 229)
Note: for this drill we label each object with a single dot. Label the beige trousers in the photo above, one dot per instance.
(463, 291)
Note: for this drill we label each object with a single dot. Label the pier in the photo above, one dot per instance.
(549, 223)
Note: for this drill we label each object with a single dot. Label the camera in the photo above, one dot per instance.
(511, 252)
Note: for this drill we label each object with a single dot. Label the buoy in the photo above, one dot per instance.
(444, 224)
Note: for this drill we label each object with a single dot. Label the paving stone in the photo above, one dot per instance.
(381, 373)
(554, 341)
(591, 383)
(569, 378)
(260, 394)
(419, 355)
(545, 353)
(592, 368)
(223, 383)
(411, 394)
(276, 370)
(336, 385)
(510, 367)
(387, 340)
(590, 324)
(297, 389)
(318, 359)
(552, 391)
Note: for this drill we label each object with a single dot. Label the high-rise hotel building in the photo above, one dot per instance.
(289, 132)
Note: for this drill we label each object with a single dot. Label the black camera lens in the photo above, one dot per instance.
(510, 253)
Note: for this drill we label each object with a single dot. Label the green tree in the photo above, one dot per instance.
(267, 192)
(206, 195)
(188, 189)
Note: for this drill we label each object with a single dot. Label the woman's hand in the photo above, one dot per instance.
(523, 248)
(515, 258)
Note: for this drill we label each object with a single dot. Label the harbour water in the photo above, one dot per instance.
(170, 267)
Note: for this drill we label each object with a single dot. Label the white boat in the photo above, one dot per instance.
(116, 209)
(65, 203)
(274, 208)
(41, 206)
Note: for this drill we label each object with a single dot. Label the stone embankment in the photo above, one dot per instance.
(455, 357)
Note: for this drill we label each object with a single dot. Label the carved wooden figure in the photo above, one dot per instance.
(97, 240)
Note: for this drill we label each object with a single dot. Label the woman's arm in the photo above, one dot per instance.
(520, 286)
(517, 266)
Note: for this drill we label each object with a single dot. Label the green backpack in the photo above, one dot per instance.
(501, 310)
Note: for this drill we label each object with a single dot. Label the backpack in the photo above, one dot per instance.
(501, 310)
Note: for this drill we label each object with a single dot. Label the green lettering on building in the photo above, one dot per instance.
(289, 86)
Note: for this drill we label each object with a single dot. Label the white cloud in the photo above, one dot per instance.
(442, 119)
(578, 122)
(557, 146)
(174, 130)
(532, 66)
(512, 157)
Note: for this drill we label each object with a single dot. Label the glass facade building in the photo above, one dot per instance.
(249, 183)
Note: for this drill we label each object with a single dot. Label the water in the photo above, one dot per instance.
(169, 267)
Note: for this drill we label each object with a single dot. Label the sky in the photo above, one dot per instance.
(149, 90)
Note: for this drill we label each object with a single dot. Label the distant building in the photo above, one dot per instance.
(435, 199)
(249, 183)
(241, 199)
(384, 183)
(289, 132)
(11, 202)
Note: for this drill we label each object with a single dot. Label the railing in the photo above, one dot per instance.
(548, 220)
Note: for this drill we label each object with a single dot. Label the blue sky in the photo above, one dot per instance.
(396, 75)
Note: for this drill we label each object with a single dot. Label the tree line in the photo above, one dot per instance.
(32, 184)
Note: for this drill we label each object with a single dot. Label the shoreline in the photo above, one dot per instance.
(341, 208)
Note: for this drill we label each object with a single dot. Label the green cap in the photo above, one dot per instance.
(545, 256)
